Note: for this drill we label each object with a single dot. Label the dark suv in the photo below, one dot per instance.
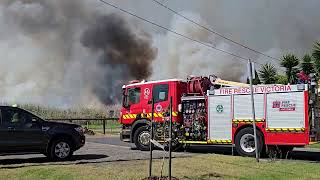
(24, 132)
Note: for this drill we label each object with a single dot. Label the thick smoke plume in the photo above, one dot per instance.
(125, 54)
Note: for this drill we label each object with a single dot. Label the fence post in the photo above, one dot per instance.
(104, 126)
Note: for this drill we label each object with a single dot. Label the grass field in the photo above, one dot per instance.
(74, 112)
(201, 167)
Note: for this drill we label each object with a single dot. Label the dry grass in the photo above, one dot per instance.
(201, 167)
(48, 112)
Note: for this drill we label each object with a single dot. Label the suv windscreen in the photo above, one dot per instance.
(160, 92)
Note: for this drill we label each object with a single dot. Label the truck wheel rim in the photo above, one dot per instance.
(62, 149)
(247, 143)
(144, 138)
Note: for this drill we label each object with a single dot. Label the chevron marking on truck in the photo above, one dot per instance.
(247, 121)
(147, 115)
(285, 129)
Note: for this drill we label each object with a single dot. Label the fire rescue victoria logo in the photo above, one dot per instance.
(219, 108)
(286, 105)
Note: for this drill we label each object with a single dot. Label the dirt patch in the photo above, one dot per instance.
(216, 175)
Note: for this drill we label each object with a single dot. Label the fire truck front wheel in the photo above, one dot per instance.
(141, 138)
(244, 142)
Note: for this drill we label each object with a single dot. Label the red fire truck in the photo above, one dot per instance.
(208, 110)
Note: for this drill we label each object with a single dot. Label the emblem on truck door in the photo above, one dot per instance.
(146, 93)
(219, 108)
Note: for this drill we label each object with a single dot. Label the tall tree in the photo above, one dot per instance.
(290, 62)
(307, 64)
(316, 56)
(256, 79)
(268, 73)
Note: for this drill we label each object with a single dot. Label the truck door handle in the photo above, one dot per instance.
(11, 129)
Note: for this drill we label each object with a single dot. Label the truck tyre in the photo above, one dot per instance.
(244, 142)
(142, 138)
(60, 149)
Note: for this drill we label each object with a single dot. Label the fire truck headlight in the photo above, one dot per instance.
(180, 107)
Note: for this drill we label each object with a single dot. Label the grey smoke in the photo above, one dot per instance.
(65, 52)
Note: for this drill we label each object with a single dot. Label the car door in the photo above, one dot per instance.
(5, 134)
(24, 130)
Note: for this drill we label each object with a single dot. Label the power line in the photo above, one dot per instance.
(174, 32)
(214, 32)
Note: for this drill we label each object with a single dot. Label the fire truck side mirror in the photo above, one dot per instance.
(126, 103)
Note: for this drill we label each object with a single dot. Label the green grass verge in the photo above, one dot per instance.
(317, 145)
(201, 167)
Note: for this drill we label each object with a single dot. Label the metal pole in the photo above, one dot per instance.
(316, 111)
(253, 112)
(170, 136)
(104, 126)
(150, 143)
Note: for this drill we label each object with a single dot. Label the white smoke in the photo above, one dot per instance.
(180, 57)
(65, 53)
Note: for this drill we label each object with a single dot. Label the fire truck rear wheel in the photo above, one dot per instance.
(142, 138)
(244, 142)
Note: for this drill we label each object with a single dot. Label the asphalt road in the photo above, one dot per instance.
(96, 150)
(105, 149)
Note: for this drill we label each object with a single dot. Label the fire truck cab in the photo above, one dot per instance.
(214, 111)
(137, 106)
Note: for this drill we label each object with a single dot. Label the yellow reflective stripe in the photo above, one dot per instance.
(174, 114)
(160, 115)
(124, 116)
(127, 116)
(193, 142)
(131, 116)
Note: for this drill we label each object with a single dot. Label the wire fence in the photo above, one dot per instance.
(100, 125)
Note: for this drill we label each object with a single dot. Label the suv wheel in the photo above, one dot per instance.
(142, 138)
(60, 150)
